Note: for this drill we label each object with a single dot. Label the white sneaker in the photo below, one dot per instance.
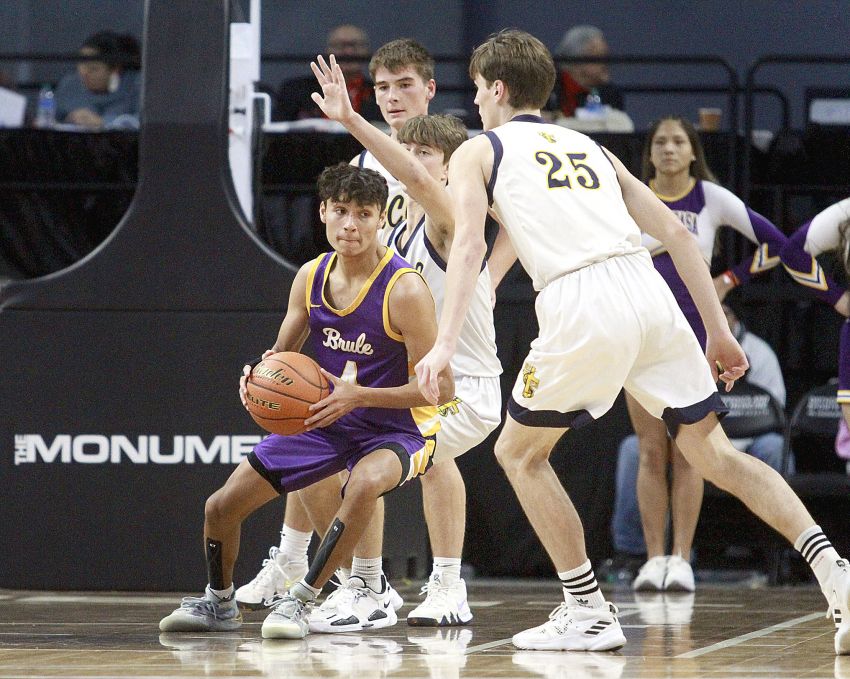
(679, 576)
(274, 580)
(444, 605)
(839, 606)
(355, 607)
(395, 598)
(651, 575)
(288, 619)
(575, 628)
(203, 614)
(560, 665)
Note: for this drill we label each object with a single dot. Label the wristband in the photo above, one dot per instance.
(730, 278)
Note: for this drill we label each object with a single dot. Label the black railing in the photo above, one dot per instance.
(750, 90)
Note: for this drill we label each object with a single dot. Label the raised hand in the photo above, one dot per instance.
(334, 100)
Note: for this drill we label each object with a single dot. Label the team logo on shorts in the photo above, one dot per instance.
(530, 380)
(450, 407)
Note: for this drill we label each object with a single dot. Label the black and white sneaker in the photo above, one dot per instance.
(355, 607)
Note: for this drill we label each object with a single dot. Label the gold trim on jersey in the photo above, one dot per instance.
(311, 275)
(420, 460)
(812, 279)
(386, 304)
(843, 396)
(762, 261)
(388, 255)
(427, 419)
(672, 199)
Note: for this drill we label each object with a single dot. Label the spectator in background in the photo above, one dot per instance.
(626, 529)
(576, 80)
(674, 167)
(105, 92)
(345, 42)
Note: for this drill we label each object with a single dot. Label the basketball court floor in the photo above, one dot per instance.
(722, 631)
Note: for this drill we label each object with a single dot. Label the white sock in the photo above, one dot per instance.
(448, 570)
(818, 552)
(222, 593)
(369, 570)
(580, 584)
(294, 544)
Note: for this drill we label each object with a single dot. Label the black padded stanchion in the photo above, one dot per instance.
(120, 412)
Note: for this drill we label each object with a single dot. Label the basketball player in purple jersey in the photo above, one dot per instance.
(674, 167)
(828, 231)
(403, 73)
(608, 320)
(365, 313)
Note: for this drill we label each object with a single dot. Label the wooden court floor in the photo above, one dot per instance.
(723, 631)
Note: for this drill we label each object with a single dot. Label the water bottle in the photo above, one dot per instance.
(593, 104)
(45, 114)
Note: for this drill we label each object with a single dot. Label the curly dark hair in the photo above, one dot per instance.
(343, 183)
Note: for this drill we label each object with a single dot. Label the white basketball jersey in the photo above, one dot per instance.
(397, 200)
(476, 345)
(557, 194)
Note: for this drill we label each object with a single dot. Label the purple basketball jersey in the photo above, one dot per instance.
(357, 342)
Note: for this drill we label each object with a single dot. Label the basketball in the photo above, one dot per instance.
(281, 388)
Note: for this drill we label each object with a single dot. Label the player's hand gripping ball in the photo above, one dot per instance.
(281, 388)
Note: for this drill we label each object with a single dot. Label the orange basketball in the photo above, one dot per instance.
(281, 388)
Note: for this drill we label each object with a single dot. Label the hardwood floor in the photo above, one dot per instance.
(723, 631)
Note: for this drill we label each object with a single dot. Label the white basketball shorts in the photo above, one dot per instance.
(611, 325)
(468, 419)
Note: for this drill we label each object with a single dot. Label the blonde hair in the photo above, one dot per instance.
(520, 61)
(444, 132)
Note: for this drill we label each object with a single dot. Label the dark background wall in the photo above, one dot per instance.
(739, 32)
(583, 460)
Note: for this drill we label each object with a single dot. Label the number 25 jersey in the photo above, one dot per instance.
(557, 194)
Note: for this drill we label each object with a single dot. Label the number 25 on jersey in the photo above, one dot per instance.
(581, 172)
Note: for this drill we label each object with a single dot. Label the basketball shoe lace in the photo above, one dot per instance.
(343, 594)
(202, 606)
(562, 616)
(271, 577)
(438, 595)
